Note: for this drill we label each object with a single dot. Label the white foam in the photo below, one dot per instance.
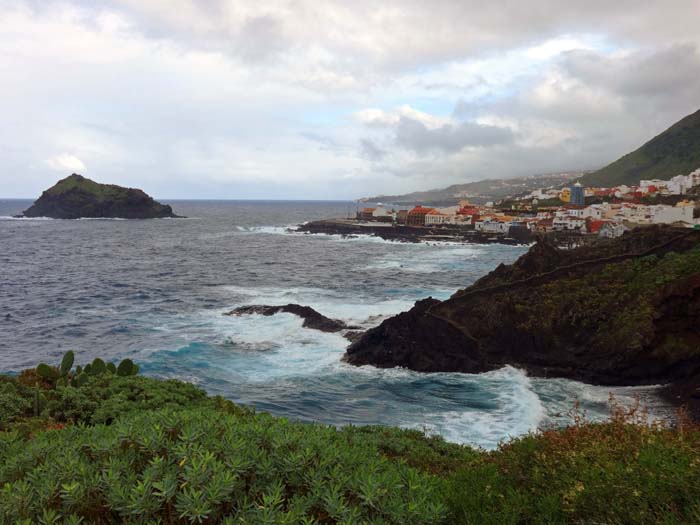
(11, 218)
(331, 303)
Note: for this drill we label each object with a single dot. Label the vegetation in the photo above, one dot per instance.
(77, 182)
(613, 308)
(675, 151)
(130, 449)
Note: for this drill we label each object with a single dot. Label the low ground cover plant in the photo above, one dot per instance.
(130, 449)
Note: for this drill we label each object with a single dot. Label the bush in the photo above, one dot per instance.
(140, 450)
(619, 472)
(205, 466)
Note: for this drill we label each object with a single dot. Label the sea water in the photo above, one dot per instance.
(156, 291)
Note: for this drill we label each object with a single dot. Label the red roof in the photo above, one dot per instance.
(420, 210)
(595, 226)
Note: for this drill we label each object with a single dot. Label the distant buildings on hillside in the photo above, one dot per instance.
(616, 210)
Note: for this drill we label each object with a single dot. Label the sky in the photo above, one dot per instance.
(316, 99)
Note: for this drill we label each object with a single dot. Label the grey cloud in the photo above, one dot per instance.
(371, 151)
(414, 135)
(261, 38)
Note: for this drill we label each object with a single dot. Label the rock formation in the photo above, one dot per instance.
(623, 312)
(77, 197)
(312, 318)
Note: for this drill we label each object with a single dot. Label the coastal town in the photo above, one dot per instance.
(571, 211)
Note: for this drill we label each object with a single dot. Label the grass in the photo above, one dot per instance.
(141, 450)
(100, 191)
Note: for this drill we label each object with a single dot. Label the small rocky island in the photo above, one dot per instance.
(77, 197)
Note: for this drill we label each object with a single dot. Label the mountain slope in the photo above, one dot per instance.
(479, 191)
(673, 152)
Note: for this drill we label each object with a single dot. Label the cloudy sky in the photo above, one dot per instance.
(333, 99)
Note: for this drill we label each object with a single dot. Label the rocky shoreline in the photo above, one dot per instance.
(410, 234)
(624, 312)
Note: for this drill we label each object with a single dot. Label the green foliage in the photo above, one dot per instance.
(131, 449)
(15, 401)
(47, 372)
(101, 399)
(98, 367)
(205, 466)
(127, 368)
(613, 309)
(67, 363)
(617, 472)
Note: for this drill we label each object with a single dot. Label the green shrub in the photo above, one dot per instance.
(205, 466)
(618, 472)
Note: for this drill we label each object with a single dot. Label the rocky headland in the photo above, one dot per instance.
(620, 312)
(77, 197)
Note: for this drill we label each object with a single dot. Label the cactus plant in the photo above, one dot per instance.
(127, 368)
(80, 379)
(47, 372)
(67, 363)
(98, 367)
(39, 400)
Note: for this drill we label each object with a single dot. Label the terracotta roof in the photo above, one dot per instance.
(420, 210)
(595, 226)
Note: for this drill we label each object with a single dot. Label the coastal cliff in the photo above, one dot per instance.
(77, 197)
(622, 312)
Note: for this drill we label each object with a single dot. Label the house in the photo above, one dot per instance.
(434, 218)
(611, 230)
(401, 216)
(545, 225)
(568, 222)
(594, 226)
(491, 224)
(366, 214)
(382, 214)
(416, 217)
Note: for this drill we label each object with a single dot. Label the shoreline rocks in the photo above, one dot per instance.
(578, 314)
(409, 234)
(312, 318)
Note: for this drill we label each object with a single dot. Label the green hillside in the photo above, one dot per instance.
(673, 152)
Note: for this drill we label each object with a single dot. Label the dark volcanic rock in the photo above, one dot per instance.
(312, 318)
(76, 197)
(625, 312)
(418, 341)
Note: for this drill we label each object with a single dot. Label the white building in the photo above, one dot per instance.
(434, 217)
(381, 212)
(491, 225)
(681, 212)
(594, 211)
(612, 230)
(568, 222)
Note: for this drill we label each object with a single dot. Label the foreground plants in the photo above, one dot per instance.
(131, 449)
(204, 466)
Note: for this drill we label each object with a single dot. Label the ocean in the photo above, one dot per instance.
(156, 291)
